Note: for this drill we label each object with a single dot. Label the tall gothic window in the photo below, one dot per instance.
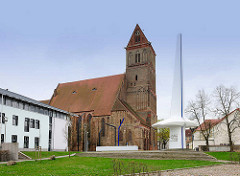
(137, 36)
(89, 118)
(103, 126)
(137, 57)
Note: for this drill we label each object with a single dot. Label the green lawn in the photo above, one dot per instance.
(90, 166)
(46, 154)
(224, 155)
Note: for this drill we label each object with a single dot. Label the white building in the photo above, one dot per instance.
(32, 123)
(218, 134)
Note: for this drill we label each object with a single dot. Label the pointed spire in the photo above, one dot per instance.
(138, 40)
(137, 37)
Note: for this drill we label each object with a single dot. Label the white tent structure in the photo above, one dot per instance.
(177, 123)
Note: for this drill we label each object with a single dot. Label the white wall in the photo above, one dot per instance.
(59, 134)
(59, 141)
(220, 135)
(18, 130)
(175, 140)
(117, 148)
(198, 140)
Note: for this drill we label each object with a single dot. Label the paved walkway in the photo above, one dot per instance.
(217, 170)
(18, 161)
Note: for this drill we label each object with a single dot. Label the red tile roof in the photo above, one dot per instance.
(213, 122)
(208, 124)
(97, 95)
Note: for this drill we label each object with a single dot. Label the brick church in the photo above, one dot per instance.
(103, 104)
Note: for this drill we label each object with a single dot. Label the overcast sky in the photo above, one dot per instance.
(43, 43)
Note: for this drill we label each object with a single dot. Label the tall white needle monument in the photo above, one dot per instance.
(177, 123)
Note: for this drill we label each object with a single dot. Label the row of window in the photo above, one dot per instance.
(4, 119)
(30, 107)
(140, 57)
(32, 123)
(26, 140)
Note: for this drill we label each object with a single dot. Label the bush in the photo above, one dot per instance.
(120, 167)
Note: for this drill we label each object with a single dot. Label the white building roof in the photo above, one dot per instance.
(30, 100)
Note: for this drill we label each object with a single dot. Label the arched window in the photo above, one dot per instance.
(89, 118)
(137, 57)
(137, 36)
(79, 126)
(103, 126)
(136, 77)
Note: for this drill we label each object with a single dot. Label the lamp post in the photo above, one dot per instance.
(1, 119)
(5, 123)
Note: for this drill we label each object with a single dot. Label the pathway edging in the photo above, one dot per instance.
(64, 156)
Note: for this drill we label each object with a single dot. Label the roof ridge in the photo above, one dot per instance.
(93, 78)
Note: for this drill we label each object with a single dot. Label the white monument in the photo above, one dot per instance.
(177, 123)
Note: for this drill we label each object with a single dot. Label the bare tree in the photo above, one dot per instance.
(70, 132)
(227, 100)
(198, 110)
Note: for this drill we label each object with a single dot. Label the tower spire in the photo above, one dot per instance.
(141, 76)
(138, 40)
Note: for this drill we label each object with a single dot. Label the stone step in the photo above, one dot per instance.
(157, 155)
(22, 156)
(149, 154)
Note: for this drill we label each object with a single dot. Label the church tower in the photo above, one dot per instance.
(141, 76)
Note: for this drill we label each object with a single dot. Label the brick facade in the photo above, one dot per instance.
(134, 99)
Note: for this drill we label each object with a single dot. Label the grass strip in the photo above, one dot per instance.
(91, 166)
(224, 155)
